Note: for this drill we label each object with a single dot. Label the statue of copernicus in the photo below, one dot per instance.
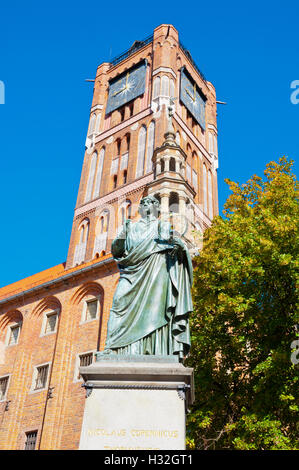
(152, 301)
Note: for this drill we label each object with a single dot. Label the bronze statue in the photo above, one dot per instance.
(152, 301)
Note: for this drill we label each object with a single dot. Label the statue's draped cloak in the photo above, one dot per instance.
(153, 297)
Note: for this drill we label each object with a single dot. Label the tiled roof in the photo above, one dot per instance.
(44, 276)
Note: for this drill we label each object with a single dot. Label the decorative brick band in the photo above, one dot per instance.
(118, 194)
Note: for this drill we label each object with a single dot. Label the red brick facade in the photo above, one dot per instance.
(55, 409)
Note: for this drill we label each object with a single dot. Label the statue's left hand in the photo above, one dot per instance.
(178, 246)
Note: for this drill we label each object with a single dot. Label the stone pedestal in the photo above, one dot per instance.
(135, 403)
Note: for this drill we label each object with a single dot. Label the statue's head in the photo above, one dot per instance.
(149, 205)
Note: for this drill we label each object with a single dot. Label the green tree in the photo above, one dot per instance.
(245, 317)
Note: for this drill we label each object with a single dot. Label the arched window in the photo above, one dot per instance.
(215, 145)
(80, 249)
(92, 124)
(165, 86)
(194, 170)
(205, 195)
(124, 212)
(210, 142)
(156, 87)
(210, 193)
(178, 138)
(128, 139)
(114, 181)
(174, 203)
(171, 88)
(97, 125)
(90, 181)
(118, 147)
(101, 233)
(141, 152)
(150, 147)
(131, 109)
(97, 185)
(81, 230)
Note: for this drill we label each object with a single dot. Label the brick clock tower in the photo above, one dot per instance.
(128, 123)
(152, 130)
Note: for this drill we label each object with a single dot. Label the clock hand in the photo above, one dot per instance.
(127, 79)
(119, 91)
(189, 94)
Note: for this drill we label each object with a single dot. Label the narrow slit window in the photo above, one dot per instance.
(3, 387)
(14, 334)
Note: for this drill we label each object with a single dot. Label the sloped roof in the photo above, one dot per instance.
(43, 277)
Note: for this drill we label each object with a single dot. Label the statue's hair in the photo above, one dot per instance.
(154, 200)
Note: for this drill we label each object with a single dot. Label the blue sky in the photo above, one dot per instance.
(249, 51)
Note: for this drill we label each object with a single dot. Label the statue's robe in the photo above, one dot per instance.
(152, 301)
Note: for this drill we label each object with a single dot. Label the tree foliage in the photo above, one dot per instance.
(245, 317)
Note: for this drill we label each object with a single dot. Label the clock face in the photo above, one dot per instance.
(192, 99)
(126, 87)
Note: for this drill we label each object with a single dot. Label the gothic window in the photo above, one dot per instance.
(141, 152)
(205, 195)
(194, 180)
(101, 233)
(98, 122)
(114, 166)
(104, 222)
(122, 114)
(124, 161)
(128, 140)
(188, 172)
(131, 109)
(118, 146)
(92, 124)
(210, 194)
(150, 147)
(194, 170)
(97, 185)
(80, 248)
(210, 142)
(171, 88)
(165, 86)
(125, 212)
(91, 176)
(156, 87)
(215, 145)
